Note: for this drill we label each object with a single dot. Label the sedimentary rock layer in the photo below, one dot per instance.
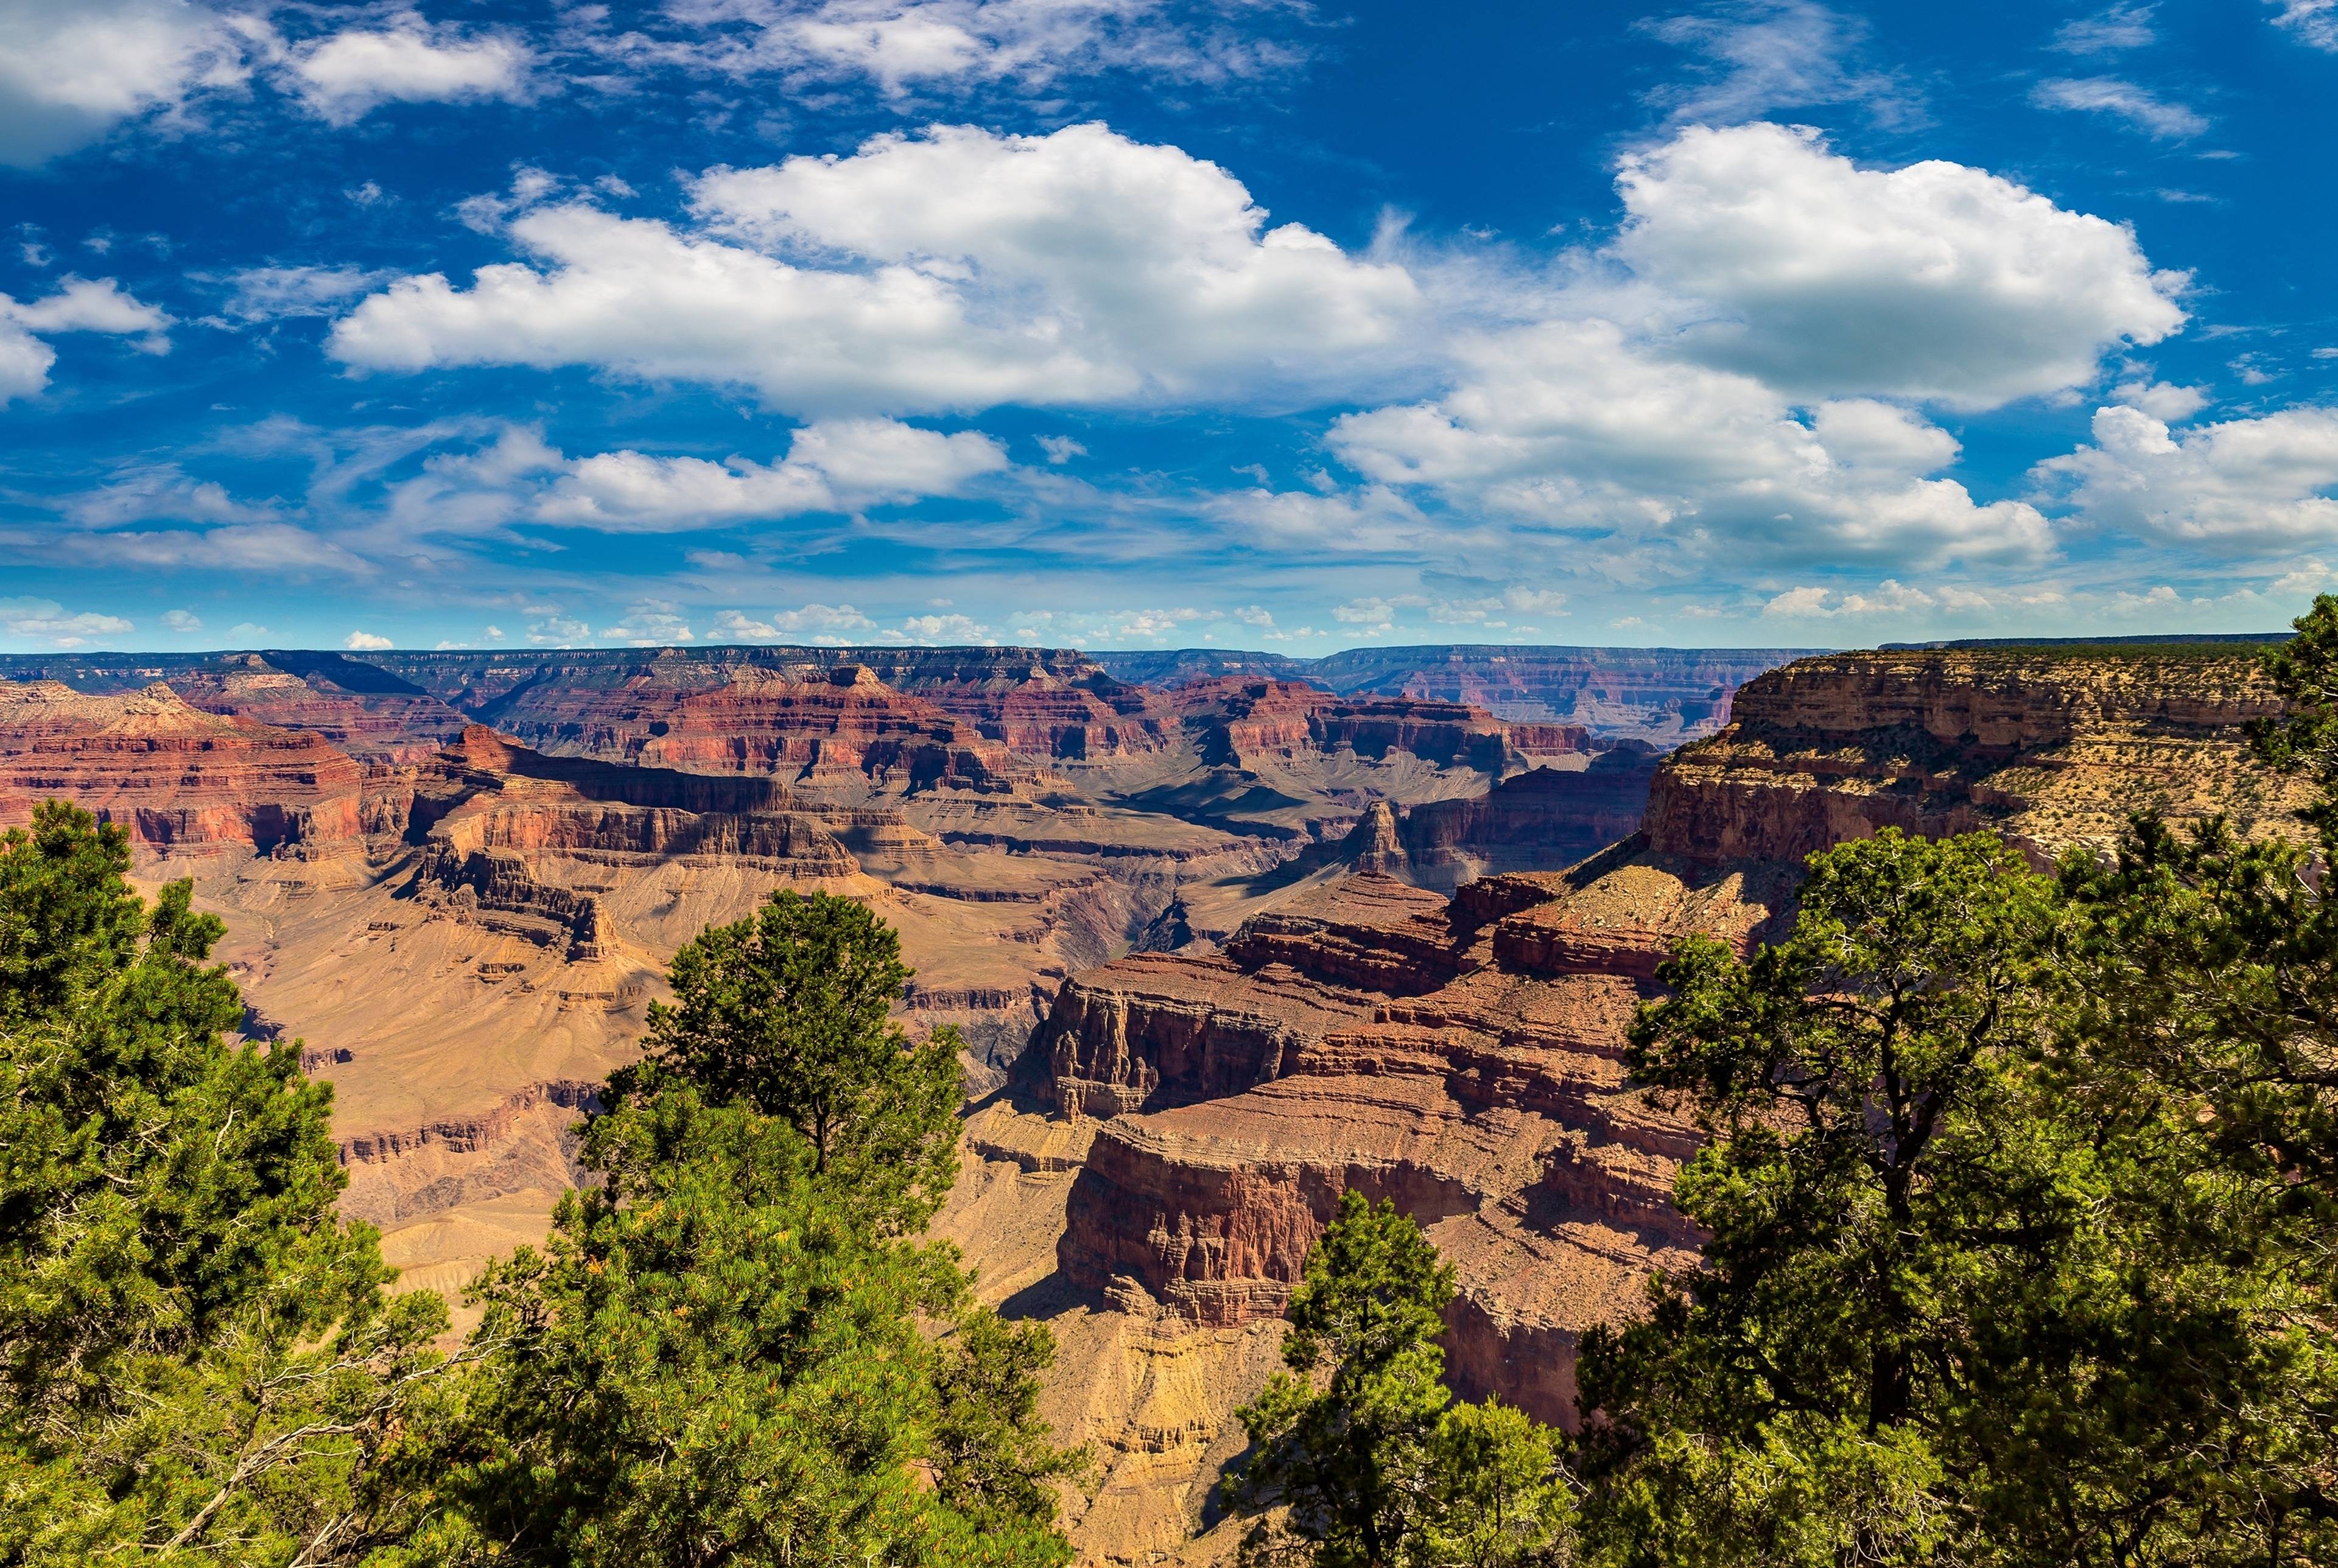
(2052, 747)
(172, 775)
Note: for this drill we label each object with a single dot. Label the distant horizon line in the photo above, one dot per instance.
(2126, 639)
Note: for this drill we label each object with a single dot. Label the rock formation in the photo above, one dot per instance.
(2052, 747)
(176, 777)
(1664, 695)
(1220, 951)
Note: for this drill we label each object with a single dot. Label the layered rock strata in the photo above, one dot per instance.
(1464, 1057)
(175, 776)
(2052, 747)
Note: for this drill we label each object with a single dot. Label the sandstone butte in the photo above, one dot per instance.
(1403, 960)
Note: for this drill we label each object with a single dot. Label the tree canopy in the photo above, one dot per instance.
(734, 1348)
(1360, 1458)
(199, 1360)
(788, 1011)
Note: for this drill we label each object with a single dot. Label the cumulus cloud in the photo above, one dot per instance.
(1575, 425)
(821, 625)
(2140, 109)
(71, 70)
(943, 630)
(2161, 400)
(956, 270)
(1375, 518)
(182, 621)
(651, 621)
(1891, 597)
(839, 465)
(46, 621)
(345, 77)
(79, 305)
(2252, 483)
(366, 642)
(1935, 281)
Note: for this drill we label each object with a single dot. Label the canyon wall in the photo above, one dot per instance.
(1664, 695)
(1220, 950)
(175, 776)
(1463, 1055)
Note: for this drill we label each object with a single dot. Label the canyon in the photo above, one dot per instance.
(1222, 940)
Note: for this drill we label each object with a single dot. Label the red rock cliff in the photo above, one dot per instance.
(172, 775)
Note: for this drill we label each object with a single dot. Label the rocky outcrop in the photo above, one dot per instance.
(1542, 819)
(2051, 748)
(1664, 695)
(1245, 722)
(840, 725)
(175, 776)
(1464, 1058)
(1374, 1035)
(393, 726)
(496, 888)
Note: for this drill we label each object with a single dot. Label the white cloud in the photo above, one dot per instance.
(161, 491)
(182, 621)
(79, 305)
(1380, 613)
(245, 629)
(2119, 28)
(1891, 597)
(2162, 401)
(46, 621)
(2245, 483)
(1375, 518)
(266, 293)
(346, 76)
(2143, 111)
(834, 466)
(948, 630)
(651, 621)
(956, 270)
(1934, 281)
(1574, 425)
(366, 641)
(260, 547)
(71, 70)
(559, 630)
(2314, 21)
(1759, 56)
(1061, 448)
(823, 624)
(905, 45)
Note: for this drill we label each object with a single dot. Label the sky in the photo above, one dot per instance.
(1135, 323)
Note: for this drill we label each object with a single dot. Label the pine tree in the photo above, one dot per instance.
(735, 1348)
(788, 1011)
(199, 1359)
(1362, 1458)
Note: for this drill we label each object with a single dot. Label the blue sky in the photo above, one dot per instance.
(1125, 323)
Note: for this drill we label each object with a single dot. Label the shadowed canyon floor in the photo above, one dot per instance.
(1219, 949)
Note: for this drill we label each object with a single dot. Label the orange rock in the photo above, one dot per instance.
(175, 776)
